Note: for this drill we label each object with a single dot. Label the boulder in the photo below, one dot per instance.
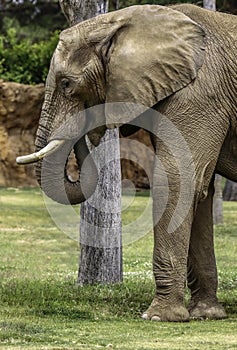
(137, 159)
(20, 107)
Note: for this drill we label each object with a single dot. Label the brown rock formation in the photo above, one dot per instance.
(19, 114)
(137, 159)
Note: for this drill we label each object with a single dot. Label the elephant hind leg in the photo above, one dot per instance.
(207, 311)
(202, 273)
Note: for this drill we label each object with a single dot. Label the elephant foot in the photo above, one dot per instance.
(204, 310)
(176, 313)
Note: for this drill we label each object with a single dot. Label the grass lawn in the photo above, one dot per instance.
(41, 307)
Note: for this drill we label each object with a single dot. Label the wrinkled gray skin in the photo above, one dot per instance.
(187, 69)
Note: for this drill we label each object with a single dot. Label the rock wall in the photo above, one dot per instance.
(20, 107)
(137, 159)
(19, 114)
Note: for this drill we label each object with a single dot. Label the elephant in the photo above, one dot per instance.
(180, 62)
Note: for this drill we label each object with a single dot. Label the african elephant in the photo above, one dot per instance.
(181, 62)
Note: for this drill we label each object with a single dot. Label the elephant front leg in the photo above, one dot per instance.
(202, 273)
(169, 269)
(171, 244)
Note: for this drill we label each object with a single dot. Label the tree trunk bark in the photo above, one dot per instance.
(114, 5)
(230, 191)
(100, 224)
(209, 4)
(77, 11)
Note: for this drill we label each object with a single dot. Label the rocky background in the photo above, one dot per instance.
(20, 107)
(19, 114)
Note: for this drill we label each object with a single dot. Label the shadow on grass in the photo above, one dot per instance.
(66, 299)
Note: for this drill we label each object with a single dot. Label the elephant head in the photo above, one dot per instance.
(140, 55)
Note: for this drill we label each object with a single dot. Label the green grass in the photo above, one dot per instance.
(41, 306)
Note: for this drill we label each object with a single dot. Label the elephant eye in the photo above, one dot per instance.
(65, 83)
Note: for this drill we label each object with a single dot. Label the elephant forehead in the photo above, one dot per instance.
(62, 55)
(74, 36)
(59, 60)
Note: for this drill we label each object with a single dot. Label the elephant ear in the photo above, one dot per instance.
(153, 52)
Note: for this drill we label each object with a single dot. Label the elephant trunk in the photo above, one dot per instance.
(52, 176)
(51, 161)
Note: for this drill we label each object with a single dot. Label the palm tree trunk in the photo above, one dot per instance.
(100, 224)
(209, 4)
(230, 191)
(114, 5)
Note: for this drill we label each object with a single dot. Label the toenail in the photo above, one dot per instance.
(156, 318)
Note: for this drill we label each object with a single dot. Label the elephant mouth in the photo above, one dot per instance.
(51, 170)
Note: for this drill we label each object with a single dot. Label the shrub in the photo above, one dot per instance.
(23, 61)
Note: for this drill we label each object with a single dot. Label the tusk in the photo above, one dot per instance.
(34, 157)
